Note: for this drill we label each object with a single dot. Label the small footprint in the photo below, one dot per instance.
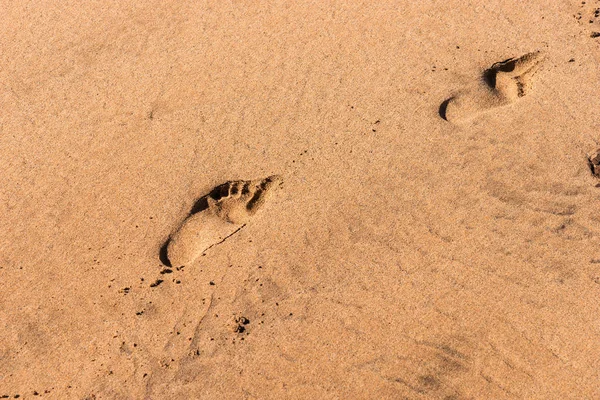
(227, 209)
(502, 84)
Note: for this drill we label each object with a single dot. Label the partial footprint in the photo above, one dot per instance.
(227, 208)
(502, 84)
(594, 163)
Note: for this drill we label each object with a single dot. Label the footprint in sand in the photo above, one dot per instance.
(224, 212)
(594, 163)
(502, 84)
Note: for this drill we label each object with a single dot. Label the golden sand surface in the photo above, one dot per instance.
(435, 234)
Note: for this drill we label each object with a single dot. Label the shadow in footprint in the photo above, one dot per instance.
(489, 75)
(444, 107)
(162, 254)
(216, 194)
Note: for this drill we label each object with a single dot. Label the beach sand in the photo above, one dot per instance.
(405, 256)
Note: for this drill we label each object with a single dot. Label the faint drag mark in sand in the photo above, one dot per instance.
(216, 217)
(495, 363)
(503, 83)
(569, 229)
(437, 369)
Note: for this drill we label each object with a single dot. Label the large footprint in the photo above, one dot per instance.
(502, 84)
(229, 207)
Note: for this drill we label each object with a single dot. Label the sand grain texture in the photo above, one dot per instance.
(407, 256)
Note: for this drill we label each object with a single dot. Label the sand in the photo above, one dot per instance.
(405, 256)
